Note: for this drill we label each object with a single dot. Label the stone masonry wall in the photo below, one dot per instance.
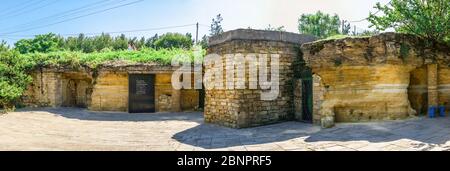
(240, 108)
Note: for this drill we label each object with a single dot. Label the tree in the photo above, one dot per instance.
(216, 26)
(319, 24)
(424, 18)
(120, 43)
(173, 40)
(140, 43)
(4, 46)
(204, 42)
(87, 45)
(102, 42)
(41, 43)
(271, 28)
(150, 42)
(345, 28)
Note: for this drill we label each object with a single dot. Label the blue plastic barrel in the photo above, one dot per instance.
(432, 111)
(442, 111)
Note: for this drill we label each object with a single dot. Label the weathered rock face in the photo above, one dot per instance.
(107, 91)
(239, 108)
(374, 78)
(365, 93)
(443, 86)
(44, 90)
(418, 90)
(110, 92)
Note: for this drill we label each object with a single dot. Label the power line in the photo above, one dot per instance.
(63, 14)
(74, 18)
(15, 12)
(134, 31)
(204, 25)
(32, 10)
(9, 10)
(70, 13)
(113, 32)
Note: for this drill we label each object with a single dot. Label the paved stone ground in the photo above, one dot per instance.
(77, 129)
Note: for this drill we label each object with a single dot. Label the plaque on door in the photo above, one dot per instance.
(141, 93)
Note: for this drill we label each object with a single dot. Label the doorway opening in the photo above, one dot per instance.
(141, 93)
(76, 90)
(307, 95)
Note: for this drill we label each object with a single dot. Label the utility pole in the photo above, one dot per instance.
(196, 35)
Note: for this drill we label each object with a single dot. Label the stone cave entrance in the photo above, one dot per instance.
(418, 90)
(303, 96)
(307, 97)
(76, 90)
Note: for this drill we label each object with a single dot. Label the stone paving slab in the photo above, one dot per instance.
(59, 129)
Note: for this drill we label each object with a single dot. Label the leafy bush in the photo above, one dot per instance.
(15, 67)
(173, 40)
(13, 77)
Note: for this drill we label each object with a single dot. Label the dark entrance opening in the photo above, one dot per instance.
(141, 93)
(307, 95)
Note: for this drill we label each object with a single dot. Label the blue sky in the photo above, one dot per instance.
(256, 14)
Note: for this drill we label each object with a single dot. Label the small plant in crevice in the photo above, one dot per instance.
(404, 50)
(369, 54)
(338, 62)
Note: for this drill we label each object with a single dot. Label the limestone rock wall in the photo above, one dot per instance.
(418, 90)
(76, 89)
(108, 91)
(373, 78)
(444, 86)
(365, 93)
(44, 90)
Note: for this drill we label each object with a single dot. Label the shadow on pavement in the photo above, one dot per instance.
(83, 114)
(428, 133)
(212, 137)
(423, 130)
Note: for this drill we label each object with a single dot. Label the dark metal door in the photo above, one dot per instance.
(141, 93)
(307, 96)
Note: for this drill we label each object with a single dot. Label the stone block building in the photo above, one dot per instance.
(383, 77)
(139, 88)
(239, 108)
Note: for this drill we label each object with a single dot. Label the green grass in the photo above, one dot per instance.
(340, 36)
(93, 60)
